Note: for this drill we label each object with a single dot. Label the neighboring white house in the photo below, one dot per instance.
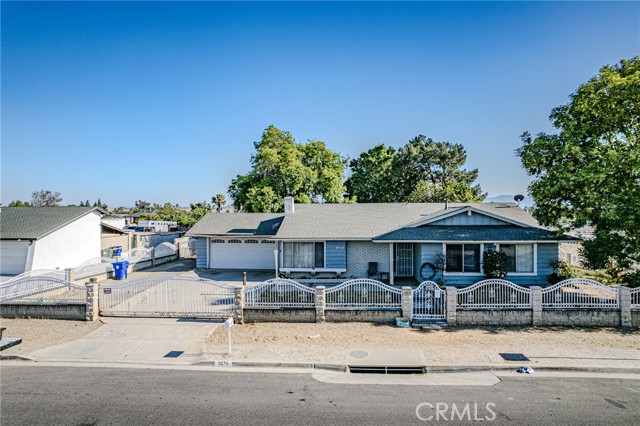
(48, 237)
(158, 225)
(116, 221)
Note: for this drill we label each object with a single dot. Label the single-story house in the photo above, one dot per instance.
(395, 241)
(48, 237)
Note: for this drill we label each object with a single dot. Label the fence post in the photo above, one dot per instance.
(69, 274)
(93, 290)
(452, 304)
(624, 303)
(153, 257)
(321, 303)
(407, 303)
(238, 305)
(536, 306)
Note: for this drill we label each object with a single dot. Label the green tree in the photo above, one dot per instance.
(431, 171)
(421, 171)
(18, 203)
(589, 172)
(219, 201)
(45, 198)
(372, 179)
(282, 167)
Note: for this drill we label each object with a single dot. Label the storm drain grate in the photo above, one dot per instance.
(174, 354)
(386, 370)
(514, 357)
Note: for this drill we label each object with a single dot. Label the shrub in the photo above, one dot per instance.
(494, 264)
(631, 279)
(564, 271)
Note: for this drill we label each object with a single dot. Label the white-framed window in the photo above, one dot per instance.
(251, 242)
(267, 242)
(463, 258)
(520, 258)
(217, 241)
(303, 255)
(235, 241)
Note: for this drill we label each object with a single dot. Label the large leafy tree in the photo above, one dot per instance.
(281, 166)
(421, 171)
(219, 201)
(372, 176)
(589, 172)
(431, 171)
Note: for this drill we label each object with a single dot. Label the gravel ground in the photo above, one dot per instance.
(331, 342)
(41, 333)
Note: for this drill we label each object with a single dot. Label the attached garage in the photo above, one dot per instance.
(243, 254)
(13, 257)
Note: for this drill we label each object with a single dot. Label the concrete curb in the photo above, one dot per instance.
(477, 368)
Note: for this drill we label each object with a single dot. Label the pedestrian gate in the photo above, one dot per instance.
(429, 302)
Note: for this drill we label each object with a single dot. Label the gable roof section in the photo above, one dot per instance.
(220, 224)
(32, 223)
(473, 233)
(367, 221)
(513, 217)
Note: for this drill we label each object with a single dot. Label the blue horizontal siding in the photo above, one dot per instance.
(464, 219)
(201, 253)
(336, 254)
(545, 254)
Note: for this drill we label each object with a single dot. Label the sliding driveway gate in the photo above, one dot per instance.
(167, 296)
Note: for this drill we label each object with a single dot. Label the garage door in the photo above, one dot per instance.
(13, 257)
(241, 254)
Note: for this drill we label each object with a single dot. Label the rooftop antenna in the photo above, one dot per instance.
(518, 198)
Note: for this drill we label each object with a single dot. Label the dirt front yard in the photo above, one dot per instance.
(331, 342)
(41, 333)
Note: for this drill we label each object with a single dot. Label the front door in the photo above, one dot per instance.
(404, 259)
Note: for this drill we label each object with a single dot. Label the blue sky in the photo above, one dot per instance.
(163, 101)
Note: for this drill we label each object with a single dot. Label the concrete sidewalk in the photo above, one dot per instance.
(136, 340)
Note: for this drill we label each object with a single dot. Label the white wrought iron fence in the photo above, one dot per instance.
(53, 273)
(635, 298)
(494, 294)
(167, 296)
(92, 267)
(42, 290)
(429, 302)
(363, 294)
(579, 293)
(137, 255)
(280, 293)
(164, 250)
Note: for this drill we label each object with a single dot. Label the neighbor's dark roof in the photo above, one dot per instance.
(31, 223)
(266, 224)
(473, 233)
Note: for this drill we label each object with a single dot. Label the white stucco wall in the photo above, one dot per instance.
(118, 222)
(69, 246)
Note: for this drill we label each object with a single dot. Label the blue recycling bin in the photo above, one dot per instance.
(120, 269)
(118, 251)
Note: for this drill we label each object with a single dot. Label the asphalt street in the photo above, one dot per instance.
(35, 395)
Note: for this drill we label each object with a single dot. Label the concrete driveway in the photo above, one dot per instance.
(136, 340)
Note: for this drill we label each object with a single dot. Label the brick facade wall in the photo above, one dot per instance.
(360, 253)
(502, 318)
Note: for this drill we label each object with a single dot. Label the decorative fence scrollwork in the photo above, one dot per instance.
(42, 290)
(635, 298)
(579, 293)
(494, 293)
(280, 293)
(363, 294)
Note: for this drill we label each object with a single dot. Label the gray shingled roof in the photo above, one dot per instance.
(473, 233)
(237, 224)
(32, 223)
(366, 221)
